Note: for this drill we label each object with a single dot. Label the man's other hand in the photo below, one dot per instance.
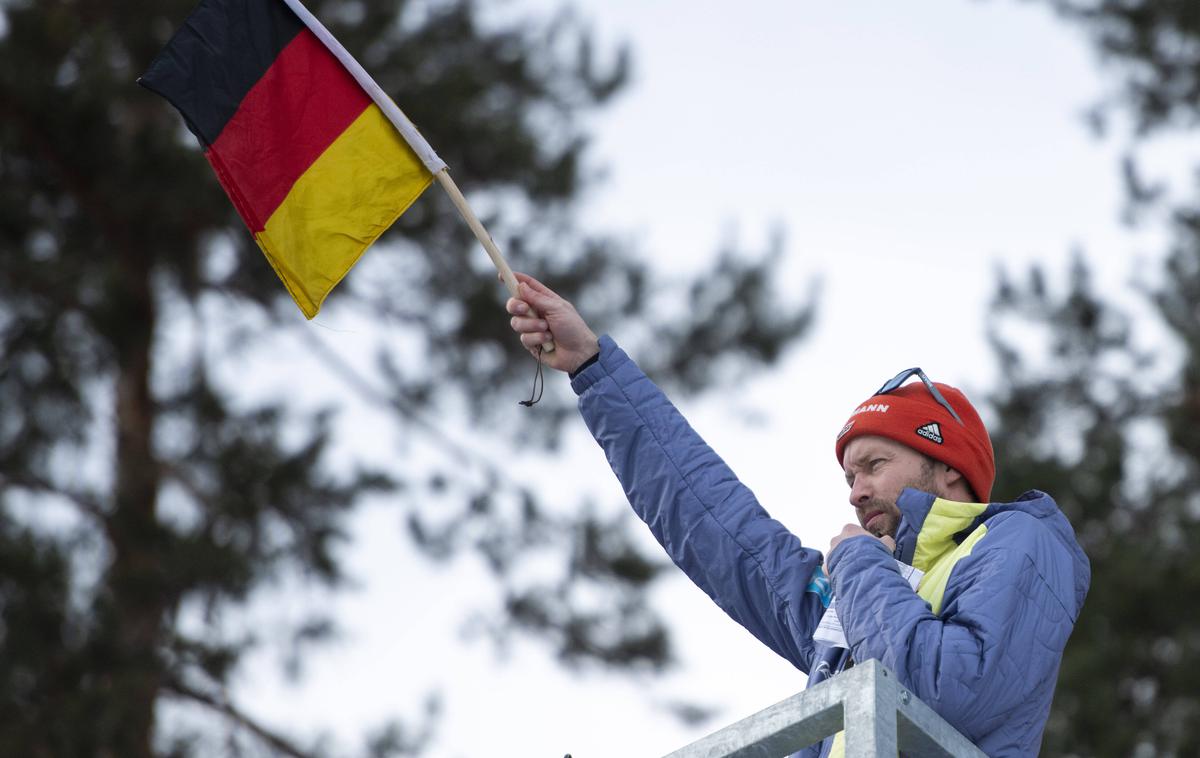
(574, 342)
(854, 530)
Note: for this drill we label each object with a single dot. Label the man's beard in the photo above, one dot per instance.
(888, 522)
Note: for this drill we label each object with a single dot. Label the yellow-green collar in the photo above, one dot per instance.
(945, 519)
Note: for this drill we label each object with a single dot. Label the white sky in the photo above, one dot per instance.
(906, 149)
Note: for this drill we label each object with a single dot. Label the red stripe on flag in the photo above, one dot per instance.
(287, 119)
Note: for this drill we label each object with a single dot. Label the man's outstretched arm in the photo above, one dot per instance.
(710, 524)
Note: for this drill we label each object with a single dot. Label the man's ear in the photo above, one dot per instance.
(951, 476)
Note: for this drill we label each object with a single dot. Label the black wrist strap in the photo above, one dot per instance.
(584, 365)
(539, 383)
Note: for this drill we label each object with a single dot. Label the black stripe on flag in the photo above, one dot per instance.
(223, 48)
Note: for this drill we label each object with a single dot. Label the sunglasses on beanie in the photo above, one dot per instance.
(893, 384)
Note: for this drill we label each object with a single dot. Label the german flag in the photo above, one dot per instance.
(311, 163)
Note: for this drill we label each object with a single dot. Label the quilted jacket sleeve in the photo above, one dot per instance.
(709, 522)
(999, 638)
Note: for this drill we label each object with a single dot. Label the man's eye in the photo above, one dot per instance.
(877, 463)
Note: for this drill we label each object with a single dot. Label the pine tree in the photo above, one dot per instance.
(143, 482)
(1111, 427)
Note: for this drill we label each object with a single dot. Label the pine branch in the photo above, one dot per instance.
(34, 483)
(226, 709)
(178, 474)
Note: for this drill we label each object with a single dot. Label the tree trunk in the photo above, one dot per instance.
(136, 590)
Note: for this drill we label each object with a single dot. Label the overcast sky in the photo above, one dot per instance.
(906, 149)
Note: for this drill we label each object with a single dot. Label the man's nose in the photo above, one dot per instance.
(860, 492)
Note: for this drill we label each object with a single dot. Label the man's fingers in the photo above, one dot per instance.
(534, 284)
(533, 339)
(526, 325)
(530, 283)
(542, 302)
(516, 307)
(525, 279)
(537, 295)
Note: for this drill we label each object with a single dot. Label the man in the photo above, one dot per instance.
(982, 637)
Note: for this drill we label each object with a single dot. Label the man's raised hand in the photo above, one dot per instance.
(854, 530)
(574, 342)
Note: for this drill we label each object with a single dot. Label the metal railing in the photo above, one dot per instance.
(879, 715)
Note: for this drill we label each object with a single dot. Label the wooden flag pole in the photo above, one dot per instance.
(485, 239)
(436, 165)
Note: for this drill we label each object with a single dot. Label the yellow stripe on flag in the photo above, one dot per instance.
(348, 197)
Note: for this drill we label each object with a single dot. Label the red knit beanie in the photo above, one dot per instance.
(912, 416)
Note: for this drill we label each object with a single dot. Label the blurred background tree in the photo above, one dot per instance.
(1112, 428)
(151, 485)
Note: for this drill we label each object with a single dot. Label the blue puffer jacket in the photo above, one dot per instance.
(980, 641)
